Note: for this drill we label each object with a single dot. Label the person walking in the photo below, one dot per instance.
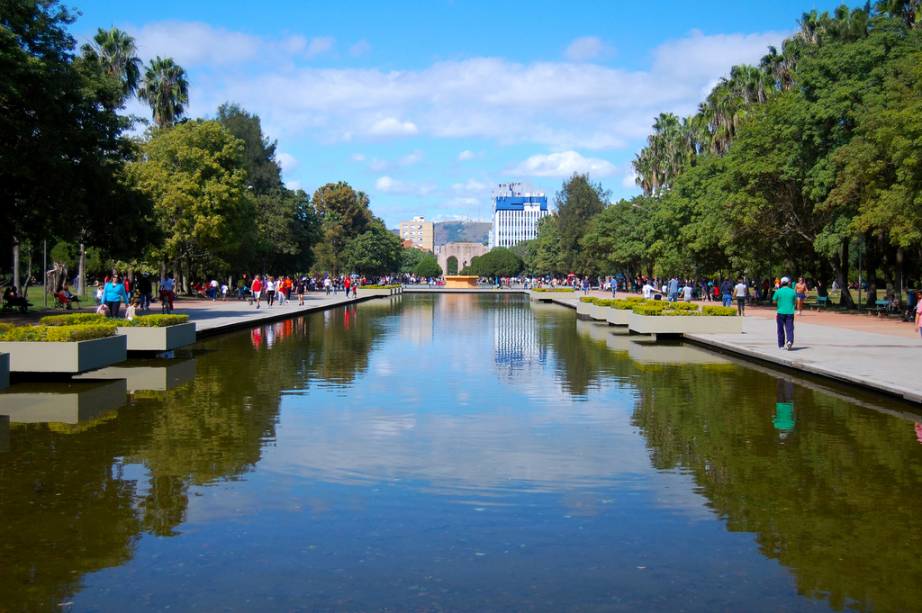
(918, 311)
(114, 294)
(726, 292)
(673, 292)
(256, 289)
(741, 291)
(270, 291)
(167, 289)
(785, 298)
(801, 292)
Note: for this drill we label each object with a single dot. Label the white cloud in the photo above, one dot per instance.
(562, 164)
(386, 184)
(358, 157)
(586, 48)
(412, 158)
(707, 57)
(192, 43)
(287, 161)
(391, 126)
(394, 186)
(319, 45)
(629, 180)
(471, 185)
(378, 165)
(293, 184)
(465, 155)
(360, 48)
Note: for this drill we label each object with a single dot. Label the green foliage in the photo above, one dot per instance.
(714, 310)
(166, 89)
(343, 214)
(155, 321)
(427, 266)
(544, 252)
(683, 306)
(552, 290)
(195, 176)
(375, 251)
(498, 262)
(651, 308)
(58, 334)
(602, 302)
(73, 319)
(578, 201)
(587, 299)
(623, 305)
(374, 286)
(5, 327)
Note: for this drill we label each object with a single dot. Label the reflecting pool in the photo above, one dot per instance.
(455, 452)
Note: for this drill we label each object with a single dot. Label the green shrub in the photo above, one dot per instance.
(602, 302)
(72, 319)
(5, 327)
(683, 306)
(373, 286)
(156, 321)
(635, 299)
(58, 334)
(679, 313)
(714, 310)
(553, 289)
(588, 299)
(623, 305)
(649, 309)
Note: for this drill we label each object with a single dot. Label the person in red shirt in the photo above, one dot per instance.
(347, 283)
(256, 288)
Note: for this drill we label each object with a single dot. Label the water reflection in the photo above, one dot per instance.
(154, 375)
(72, 403)
(464, 452)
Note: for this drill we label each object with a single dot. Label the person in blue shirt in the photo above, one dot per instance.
(114, 294)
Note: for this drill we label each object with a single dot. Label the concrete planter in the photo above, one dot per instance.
(584, 309)
(4, 370)
(547, 296)
(618, 317)
(159, 339)
(147, 375)
(597, 312)
(66, 358)
(64, 403)
(662, 324)
(367, 293)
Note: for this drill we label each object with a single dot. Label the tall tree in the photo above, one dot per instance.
(343, 214)
(166, 90)
(578, 201)
(117, 55)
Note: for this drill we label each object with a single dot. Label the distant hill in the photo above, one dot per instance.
(462, 232)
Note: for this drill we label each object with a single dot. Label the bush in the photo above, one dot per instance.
(602, 302)
(5, 327)
(588, 299)
(714, 310)
(683, 306)
(623, 305)
(635, 299)
(58, 334)
(648, 309)
(553, 289)
(156, 321)
(72, 319)
(373, 286)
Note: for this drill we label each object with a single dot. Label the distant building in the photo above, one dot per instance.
(516, 213)
(419, 231)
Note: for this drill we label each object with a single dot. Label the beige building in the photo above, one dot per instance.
(419, 231)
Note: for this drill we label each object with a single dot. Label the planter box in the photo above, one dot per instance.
(63, 403)
(159, 339)
(66, 358)
(597, 312)
(662, 324)
(365, 293)
(584, 309)
(4, 370)
(618, 317)
(147, 375)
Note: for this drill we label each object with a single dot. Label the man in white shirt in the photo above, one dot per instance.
(741, 292)
(647, 290)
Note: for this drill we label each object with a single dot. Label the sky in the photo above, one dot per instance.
(427, 106)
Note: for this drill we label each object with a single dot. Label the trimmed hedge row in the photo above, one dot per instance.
(588, 299)
(57, 334)
(72, 319)
(553, 289)
(714, 310)
(156, 321)
(378, 286)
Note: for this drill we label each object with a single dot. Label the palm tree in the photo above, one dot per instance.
(114, 51)
(910, 11)
(166, 90)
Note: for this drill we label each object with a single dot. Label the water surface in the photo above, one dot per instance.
(455, 452)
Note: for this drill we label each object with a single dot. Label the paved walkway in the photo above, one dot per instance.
(220, 316)
(871, 352)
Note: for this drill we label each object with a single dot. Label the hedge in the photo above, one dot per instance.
(156, 321)
(714, 310)
(623, 305)
(588, 299)
(57, 334)
(5, 327)
(648, 309)
(683, 306)
(378, 286)
(602, 302)
(635, 299)
(72, 319)
(553, 289)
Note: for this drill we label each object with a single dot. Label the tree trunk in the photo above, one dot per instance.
(841, 271)
(16, 264)
(871, 259)
(81, 271)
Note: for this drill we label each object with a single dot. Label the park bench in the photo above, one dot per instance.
(821, 302)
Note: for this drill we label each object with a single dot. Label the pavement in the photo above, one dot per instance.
(872, 352)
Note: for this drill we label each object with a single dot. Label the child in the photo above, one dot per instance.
(131, 310)
(102, 309)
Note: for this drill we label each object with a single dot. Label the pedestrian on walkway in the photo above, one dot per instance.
(256, 289)
(741, 290)
(918, 311)
(800, 290)
(270, 291)
(114, 294)
(785, 298)
(726, 292)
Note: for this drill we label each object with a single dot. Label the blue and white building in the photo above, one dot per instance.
(516, 213)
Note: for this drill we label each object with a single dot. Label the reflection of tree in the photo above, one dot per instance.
(822, 500)
(66, 509)
(64, 513)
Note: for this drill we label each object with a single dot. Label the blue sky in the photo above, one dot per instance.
(427, 105)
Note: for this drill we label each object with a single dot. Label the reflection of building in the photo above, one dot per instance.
(454, 257)
(516, 214)
(416, 323)
(515, 338)
(419, 231)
